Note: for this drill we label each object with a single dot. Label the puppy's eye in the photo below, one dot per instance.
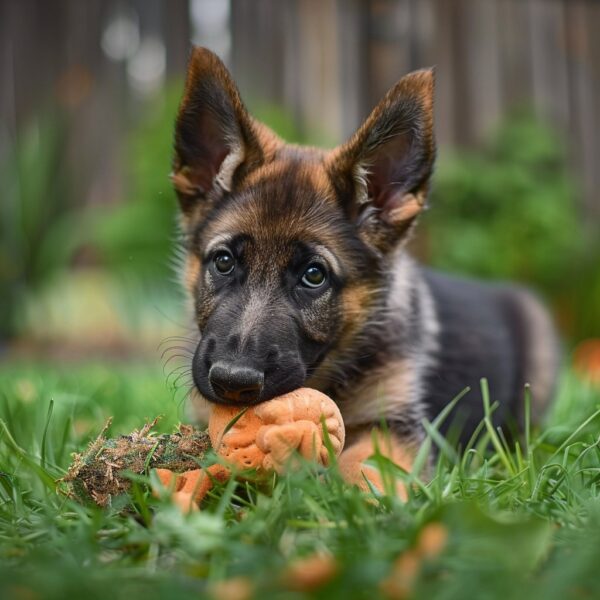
(314, 276)
(224, 262)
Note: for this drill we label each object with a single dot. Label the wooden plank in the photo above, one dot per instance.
(354, 68)
(320, 91)
(422, 34)
(481, 61)
(445, 58)
(550, 77)
(583, 54)
(514, 30)
(291, 61)
(389, 45)
(176, 33)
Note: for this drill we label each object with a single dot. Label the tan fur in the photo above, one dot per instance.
(191, 272)
(254, 315)
(316, 315)
(355, 471)
(411, 206)
(205, 302)
(356, 301)
(182, 182)
(286, 227)
(383, 394)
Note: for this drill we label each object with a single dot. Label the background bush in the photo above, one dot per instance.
(509, 211)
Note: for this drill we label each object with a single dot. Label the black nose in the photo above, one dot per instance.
(235, 383)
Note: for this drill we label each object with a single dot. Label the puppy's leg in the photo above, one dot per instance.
(352, 460)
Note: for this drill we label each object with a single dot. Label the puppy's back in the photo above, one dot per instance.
(497, 331)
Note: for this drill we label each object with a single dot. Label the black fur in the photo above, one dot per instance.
(479, 338)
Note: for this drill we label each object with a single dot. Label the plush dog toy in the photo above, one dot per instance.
(263, 438)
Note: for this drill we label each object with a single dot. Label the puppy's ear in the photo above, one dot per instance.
(215, 138)
(382, 173)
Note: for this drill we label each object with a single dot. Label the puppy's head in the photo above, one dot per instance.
(287, 246)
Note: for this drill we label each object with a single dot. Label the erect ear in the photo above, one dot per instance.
(215, 138)
(382, 172)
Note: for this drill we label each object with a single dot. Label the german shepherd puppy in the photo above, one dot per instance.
(296, 263)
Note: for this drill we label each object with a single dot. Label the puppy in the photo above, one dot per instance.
(296, 264)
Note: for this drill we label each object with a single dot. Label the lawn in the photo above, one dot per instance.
(495, 522)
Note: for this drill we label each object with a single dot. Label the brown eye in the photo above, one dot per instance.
(224, 262)
(314, 276)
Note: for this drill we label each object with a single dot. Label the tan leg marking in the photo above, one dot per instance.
(354, 471)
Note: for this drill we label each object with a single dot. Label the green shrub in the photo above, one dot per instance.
(136, 236)
(507, 210)
(36, 220)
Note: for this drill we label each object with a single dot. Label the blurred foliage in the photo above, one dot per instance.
(578, 301)
(509, 210)
(282, 123)
(114, 314)
(37, 235)
(137, 236)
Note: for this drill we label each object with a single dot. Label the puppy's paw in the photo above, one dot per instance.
(354, 467)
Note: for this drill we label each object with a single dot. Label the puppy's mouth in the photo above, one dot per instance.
(248, 393)
(250, 378)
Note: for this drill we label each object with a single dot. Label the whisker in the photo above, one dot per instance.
(183, 369)
(181, 356)
(184, 374)
(176, 338)
(190, 351)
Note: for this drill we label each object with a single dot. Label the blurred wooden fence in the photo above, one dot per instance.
(327, 61)
(54, 64)
(331, 60)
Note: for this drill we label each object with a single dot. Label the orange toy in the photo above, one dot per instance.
(263, 438)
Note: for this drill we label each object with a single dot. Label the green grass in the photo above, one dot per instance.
(522, 522)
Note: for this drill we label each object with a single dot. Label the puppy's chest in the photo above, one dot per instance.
(390, 391)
